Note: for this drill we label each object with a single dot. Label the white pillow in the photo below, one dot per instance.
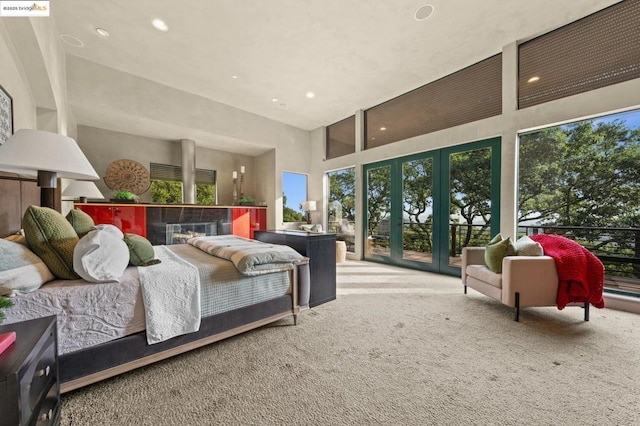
(525, 246)
(112, 229)
(21, 270)
(101, 256)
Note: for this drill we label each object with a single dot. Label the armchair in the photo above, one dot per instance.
(525, 280)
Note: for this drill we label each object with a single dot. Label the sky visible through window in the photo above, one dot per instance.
(294, 186)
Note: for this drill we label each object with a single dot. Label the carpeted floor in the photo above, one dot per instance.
(398, 347)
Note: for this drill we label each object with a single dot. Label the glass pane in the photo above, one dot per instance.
(341, 208)
(294, 192)
(417, 210)
(582, 180)
(378, 210)
(469, 201)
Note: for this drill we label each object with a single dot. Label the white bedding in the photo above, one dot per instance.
(88, 313)
(94, 313)
(171, 295)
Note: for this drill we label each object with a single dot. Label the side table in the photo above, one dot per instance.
(320, 248)
(29, 388)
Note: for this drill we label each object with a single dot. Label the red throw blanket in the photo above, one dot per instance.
(580, 272)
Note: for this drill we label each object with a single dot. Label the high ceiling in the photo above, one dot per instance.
(352, 54)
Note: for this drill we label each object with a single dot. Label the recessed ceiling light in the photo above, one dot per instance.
(383, 128)
(235, 77)
(282, 105)
(160, 25)
(72, 40)
(533, 79)
(102, 32)
(423, 12)
(274, 100)
(311, 95)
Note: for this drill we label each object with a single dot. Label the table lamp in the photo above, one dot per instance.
(81, 190)
(46, 155)
(309, 206)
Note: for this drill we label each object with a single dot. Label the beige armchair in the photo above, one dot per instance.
(525, 280)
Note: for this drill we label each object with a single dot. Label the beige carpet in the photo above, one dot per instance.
(398, 347)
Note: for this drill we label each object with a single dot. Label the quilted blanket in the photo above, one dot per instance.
(250, 257)
(171, 295)
(580, 272)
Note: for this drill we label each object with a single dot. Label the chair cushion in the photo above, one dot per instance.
(496, 250)
(484, 274)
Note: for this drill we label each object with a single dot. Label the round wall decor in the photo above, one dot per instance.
(127, 175)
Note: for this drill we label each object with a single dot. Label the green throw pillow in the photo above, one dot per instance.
(82, 223)
(52, 238)
(140, 250)
(496, 250)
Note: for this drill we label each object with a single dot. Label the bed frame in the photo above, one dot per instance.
(91, 365)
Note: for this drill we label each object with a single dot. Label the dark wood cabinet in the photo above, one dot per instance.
(29, 387)
(321, 251)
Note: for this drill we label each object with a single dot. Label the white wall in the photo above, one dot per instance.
(102, 147)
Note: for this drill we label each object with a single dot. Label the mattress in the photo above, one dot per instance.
(89, 314)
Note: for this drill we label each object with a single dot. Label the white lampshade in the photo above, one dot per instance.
(82, 189)
(29, 151)
(309, 206)
(46, 155)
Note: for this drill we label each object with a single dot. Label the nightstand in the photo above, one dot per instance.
(320, 248)
(29, 388)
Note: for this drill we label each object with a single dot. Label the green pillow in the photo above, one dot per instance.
(140, 250)
(82, 223)
(496, 250)
(52, 238)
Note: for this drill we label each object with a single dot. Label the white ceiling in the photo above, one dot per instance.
(353, 54)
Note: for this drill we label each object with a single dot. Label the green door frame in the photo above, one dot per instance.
(495, 146)
(441, 189)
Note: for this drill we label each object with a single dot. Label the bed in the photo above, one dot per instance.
(102, 327)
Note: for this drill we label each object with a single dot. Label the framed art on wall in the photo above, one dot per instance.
(6, 115)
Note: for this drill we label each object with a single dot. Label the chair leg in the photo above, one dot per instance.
(517, 312)
(586, 311)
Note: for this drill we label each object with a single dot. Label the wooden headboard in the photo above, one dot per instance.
(16, 194)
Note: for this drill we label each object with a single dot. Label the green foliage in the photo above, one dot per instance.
(124, 195)
(342, 194)
(378, 196)
(205, 193)
(166, 192)
(4, 303)
(582, 174)
(170, 192)
(585, 175)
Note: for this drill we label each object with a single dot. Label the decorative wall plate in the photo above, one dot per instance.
(127, 175)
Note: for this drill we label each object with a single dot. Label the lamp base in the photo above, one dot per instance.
(47, 197)
(82, 200)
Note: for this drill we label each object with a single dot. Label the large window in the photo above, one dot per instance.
(166, 185)
(294, 193)
(582, 180)
(342, 207)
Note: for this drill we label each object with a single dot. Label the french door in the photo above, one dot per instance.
(423, 209)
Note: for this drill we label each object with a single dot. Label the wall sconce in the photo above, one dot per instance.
(81, 190)
(309, 206)
(48, 156)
